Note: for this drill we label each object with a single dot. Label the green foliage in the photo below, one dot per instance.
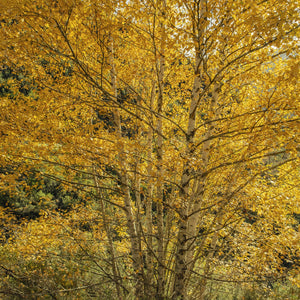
(14, 81)
(34, 194)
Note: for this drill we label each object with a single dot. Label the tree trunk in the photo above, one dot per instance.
(190, 203)
(159, 192)
(131, 224)
(149, 201)
(110, 246)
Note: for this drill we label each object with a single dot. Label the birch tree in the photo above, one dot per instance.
(183, 118)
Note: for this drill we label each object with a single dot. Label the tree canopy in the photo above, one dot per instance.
(177, 121)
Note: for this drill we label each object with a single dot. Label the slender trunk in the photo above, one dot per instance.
(209, 257)
(183, 234)
(149, 199)
(160, 217)
(138, 200)
(160, 206)
(190, 202)
(131, 224)
(107, 229)
(195, 210)
(110, 246)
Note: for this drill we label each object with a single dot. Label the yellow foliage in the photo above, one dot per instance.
(180, 118)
